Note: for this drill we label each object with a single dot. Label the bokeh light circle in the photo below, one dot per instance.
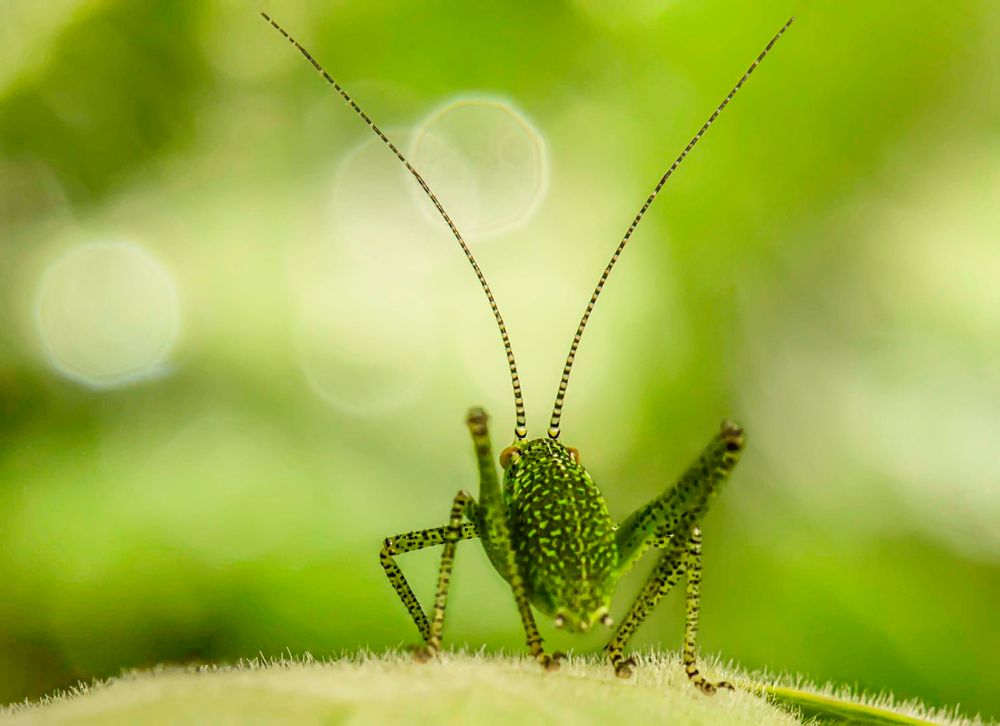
(375, 214)
(503, 157)
(107, 314)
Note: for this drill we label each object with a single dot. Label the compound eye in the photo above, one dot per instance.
(574, 453)
(508, 455)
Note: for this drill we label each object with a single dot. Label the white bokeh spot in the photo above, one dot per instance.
(107, 314)
(486, 162)
(375, 216)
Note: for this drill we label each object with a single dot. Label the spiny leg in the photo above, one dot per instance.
(495, 531)
(410, 542)
(676, 561)
(533, 638)
(670, 522)
(681, 507)
(668, 571)
(453, 533)
(691, 617)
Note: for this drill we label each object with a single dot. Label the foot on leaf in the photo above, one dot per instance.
(552, 662)
(626, 668)
(423, 653)
(709, 688)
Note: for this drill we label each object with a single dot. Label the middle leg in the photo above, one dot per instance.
(448, 536)
(452, 534)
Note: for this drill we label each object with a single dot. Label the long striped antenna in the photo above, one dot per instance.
(520, 428)
(564, 381)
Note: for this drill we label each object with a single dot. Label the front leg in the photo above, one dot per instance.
(495, 531)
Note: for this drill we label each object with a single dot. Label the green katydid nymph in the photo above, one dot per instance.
(547, 530)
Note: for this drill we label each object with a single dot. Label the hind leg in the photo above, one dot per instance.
(693, 557)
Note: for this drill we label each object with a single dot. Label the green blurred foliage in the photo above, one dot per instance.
(822, 269)
(117, 88)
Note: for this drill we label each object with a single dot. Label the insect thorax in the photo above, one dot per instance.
(562, 533)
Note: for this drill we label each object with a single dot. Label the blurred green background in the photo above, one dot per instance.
(236, 351)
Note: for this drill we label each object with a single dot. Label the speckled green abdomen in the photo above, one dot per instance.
(563, 535)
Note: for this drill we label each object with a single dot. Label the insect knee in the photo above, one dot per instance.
(476, 420)
(731, 434)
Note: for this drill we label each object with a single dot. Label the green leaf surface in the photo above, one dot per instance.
(456, 688)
